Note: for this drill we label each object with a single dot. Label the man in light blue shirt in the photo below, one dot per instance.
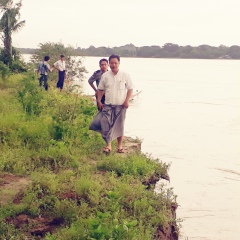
(44, 69)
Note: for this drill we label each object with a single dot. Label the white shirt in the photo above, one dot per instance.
(115, 87)
(60, 65)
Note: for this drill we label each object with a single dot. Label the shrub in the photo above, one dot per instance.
(30, 97)
(4, 70)
(135, 164)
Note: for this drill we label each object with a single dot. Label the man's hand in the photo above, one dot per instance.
(100, 105)
(126, 104)
(99, 97)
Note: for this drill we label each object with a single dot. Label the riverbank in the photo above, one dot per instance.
(56, 183)
(12, 188)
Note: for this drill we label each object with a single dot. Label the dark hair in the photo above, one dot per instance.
(46, 58)
(103, 60)
(114, 56)
(61, 56)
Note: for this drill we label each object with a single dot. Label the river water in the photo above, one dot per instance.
(188, 115)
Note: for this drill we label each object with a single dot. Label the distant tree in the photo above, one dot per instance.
(149, 51)
(172, 50)
(234, 52)
(186, 51)
(128, 50)
(9, 23)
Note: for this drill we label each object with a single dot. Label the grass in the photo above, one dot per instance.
(73, 190)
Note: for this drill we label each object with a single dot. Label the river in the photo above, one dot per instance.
(188, 115)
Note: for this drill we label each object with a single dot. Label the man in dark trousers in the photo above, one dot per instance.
(103, 64)
(44, 69)
(60, 65)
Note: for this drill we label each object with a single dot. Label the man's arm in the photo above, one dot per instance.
(49, 69)
(55, 66)
(91, 80)
(129, 86)
(126, 102)
(93, 87)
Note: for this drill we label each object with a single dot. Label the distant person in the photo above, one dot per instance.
(60, 65)
(103, 64)
(117, 86)
(44, 68)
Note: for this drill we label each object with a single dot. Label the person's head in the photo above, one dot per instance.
(103, 63)
(62, 57)
(46, 58)
(114, 61)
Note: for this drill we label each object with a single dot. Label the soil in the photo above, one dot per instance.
(40, 226)
(11, 187)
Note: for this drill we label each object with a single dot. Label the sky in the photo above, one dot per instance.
(110, 23)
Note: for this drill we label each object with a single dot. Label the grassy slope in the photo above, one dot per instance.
(55, 182)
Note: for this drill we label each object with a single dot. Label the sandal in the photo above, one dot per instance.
(120, 150)
(106, 150)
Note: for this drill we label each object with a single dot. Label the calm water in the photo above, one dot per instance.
(188, 115)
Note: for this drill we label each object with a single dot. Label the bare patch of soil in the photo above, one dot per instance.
(11, 188)
(38, 226)
(130, 145)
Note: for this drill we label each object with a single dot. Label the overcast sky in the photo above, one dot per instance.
(115, 23)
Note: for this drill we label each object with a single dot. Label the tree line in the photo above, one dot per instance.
(168, 50)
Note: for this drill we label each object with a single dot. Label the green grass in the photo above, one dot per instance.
(85, 194)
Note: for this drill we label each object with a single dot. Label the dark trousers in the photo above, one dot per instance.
(43, 80)
(61, 77)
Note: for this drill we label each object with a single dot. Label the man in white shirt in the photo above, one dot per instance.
(117, 86)
(60, 65)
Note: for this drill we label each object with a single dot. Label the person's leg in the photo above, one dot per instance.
(40, 80)
(120, 147)
(108, 148)
(103, 99)
(63, 78)
(60, 80)
(46, 82)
